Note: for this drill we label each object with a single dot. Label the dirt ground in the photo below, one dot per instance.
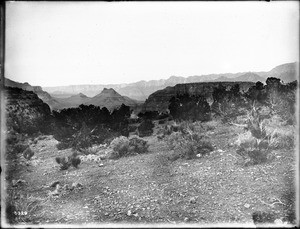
(152, 189)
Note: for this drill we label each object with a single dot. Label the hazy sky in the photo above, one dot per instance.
(67, 43)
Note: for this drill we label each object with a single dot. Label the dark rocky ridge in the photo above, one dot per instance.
(159, 100)
(45, 96)
(25, 111)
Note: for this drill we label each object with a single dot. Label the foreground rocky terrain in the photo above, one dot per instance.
(151, 188)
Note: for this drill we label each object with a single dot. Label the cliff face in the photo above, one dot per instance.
(46, 97)
(25, 111)
(159, 100)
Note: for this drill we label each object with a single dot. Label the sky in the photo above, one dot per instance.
(69, 43)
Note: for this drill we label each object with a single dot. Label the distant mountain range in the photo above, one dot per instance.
(142, 89)
(133, 94)
(108, 98)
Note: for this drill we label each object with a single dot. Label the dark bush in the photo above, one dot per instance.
(145, 128)
(187, 107)
(62, 145)
(138, 145)
(162, 121)
(66, 162)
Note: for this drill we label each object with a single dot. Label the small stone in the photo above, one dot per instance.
(186, 219)
(129, 213)
(193, 200)
(278, 221)
(247, 205)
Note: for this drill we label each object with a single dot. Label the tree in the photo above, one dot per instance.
(186, 107)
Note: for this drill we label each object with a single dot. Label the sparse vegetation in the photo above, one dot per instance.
(138, 145)
(81, 127)
(66, 162)
(120, 146)
(189, 143)
(123, 146)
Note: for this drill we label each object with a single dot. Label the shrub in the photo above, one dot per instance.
(120, 146)
(252, 150)
(66, 162)
(254, 145)
(281, 136)
(145, 128)
(28, 153)
(132, 128)
(19, 148)
(62, 145)
(138, 145)
(83, 139)
(188, 143)
(94, 149)
(63, 162)
(163, 121)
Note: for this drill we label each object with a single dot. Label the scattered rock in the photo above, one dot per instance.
(278, 221)
(76, 185)
(54, 184)
(129, 213)
(16, 182)
(247, 205)
(193, 200)
(66, 187)
(186, 219)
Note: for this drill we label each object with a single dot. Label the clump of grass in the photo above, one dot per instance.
(188, 143)
(281, 136)
(264, 133)
(211, 125)
(123, 146)
(138, 145)
(120, 146)
(66, 162)
(93, 149)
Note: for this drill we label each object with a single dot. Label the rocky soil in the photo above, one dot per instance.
(152, 189)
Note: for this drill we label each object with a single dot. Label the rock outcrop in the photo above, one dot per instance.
(46, 97)
(159, 100)
(25, 111)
